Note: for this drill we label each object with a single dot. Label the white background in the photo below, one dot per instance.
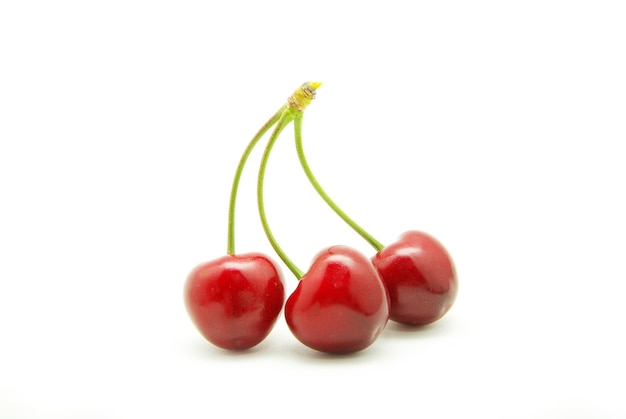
(498, 127)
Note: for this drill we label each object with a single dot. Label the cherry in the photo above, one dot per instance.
(420, 277)
(417, 271)
(340, 304)
(234, 301)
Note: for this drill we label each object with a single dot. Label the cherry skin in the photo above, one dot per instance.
(340, 305)
(420, 278)
(234, 301)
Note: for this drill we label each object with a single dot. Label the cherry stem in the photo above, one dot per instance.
(309, 174)
(230, 247)
(286, 117)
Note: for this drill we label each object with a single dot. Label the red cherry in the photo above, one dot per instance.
(340, 304)
(420, 278)
(235, 300)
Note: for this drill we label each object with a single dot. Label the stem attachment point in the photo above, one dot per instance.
(303, 95)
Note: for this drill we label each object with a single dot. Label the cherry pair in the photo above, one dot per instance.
(343, 302)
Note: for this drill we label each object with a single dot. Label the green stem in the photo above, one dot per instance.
(230, 247)
(286, 117)
(309, 174)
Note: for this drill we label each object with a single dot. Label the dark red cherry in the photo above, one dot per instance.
(340, 305)
(234, 301)
(420, 278)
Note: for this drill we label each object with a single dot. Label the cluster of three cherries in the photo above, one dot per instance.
(345, 299)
